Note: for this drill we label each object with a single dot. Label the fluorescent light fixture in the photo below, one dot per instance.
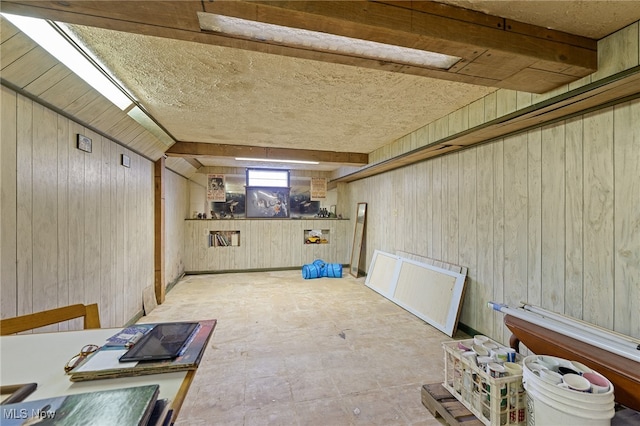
(276, 161)
(145, 121)
(47, 35)
(315, 40)
(56, 39)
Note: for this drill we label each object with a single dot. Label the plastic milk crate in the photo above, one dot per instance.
(493, 400)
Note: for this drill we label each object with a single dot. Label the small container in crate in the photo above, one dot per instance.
(495, 398)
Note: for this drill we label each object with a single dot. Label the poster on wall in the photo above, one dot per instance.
(215, 188)
(318, 189)
(267, 202)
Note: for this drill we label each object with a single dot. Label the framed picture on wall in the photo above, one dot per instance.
(84, 143)
(267, 202)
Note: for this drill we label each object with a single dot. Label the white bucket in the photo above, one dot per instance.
(548, 404)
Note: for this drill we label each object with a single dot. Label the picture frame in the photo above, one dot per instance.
(84, 143)
(125, 160)
(267, 202)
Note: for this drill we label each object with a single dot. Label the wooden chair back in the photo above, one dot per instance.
(89, 313)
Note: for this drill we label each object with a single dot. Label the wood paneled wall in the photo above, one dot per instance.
(176, 209)
(550, 216)
(77, 227)
(264, 244)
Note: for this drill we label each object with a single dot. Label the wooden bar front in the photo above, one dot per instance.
(623, 372)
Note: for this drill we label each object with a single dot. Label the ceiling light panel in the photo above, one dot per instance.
(313, 40)
(49, 38)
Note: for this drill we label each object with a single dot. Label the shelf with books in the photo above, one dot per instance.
(224, 238)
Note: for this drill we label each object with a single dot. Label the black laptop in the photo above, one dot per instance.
(164, 341)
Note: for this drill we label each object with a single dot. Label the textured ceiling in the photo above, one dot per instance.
(205, 93)
(588, 18)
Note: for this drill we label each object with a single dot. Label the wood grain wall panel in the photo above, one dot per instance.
(264, 243)
(105, 117)
(534, 216)
(246, 241)
(126, 129)
(278, 243)
(176, 202)
(467, 235)
(121, 273)
(130, 246)
(110, 220)
(254, 254)
(598, 219)
(410, 217)
(294, 240)
(91, 229)
(627, 218)
(476, 113)
(485, 233)
(62, 194)
(396, 212)
(459, 120)
(553, 224)
(45, 218)
(436, 209)
(76, 218)
(8, 197)
(28, 67)
(515, 219)
(65, 92)
(14, 47)
(421, 225)
(573, 219)
(453, 191)
(618, 52)
(47, 79)
(523, 100)
(491, 106)
(82, 230)
(7, 30)
(446, 212)
(262, 257)
(506, 102)
(498, 282)
(83, 106)
(24, 207)
(441, 128)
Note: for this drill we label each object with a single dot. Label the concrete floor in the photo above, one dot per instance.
(289, 351)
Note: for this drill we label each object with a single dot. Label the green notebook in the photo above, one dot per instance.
(124, 406)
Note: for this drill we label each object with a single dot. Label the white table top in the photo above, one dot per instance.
(40, 358)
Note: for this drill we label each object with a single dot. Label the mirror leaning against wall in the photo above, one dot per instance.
(358, 236)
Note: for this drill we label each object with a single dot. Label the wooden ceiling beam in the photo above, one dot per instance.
(535, 59)
(495, 52)
(200, 149)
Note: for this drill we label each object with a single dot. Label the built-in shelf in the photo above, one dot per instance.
(224, 238)
(316, 236)
(264, 244)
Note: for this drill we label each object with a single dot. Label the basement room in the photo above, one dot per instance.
(358, 212)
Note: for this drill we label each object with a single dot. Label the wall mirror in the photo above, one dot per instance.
(358, 235)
